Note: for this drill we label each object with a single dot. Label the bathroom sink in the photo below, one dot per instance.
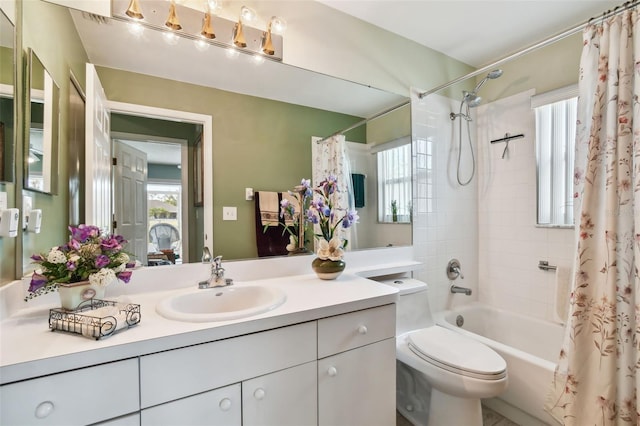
(220, 304)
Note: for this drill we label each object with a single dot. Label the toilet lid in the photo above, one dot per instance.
(456, 353)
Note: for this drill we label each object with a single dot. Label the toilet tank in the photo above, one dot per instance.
(412, 307)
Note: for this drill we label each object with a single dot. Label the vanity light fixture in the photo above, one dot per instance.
(276, 25)
(204, 26)
(246, 15)
(134, 11)
(172, 20)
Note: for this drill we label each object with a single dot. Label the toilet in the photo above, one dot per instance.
(441, 375)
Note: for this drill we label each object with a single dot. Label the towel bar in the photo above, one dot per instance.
(544, 265)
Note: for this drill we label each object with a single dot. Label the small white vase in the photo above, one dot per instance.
(73, 294)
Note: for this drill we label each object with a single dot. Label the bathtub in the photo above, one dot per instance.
(528, 345)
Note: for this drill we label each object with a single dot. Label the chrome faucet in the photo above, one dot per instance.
(453, 270)
(217, 278)
(464, 290)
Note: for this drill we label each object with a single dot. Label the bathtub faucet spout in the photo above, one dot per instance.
(457, 289)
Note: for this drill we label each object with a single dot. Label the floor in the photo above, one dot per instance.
(489, 418)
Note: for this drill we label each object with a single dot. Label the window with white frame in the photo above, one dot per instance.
(555, 114)
(394, 182)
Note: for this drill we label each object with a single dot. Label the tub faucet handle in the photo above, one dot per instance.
(453, 270)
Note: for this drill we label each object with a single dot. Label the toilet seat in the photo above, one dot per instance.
(457, 354)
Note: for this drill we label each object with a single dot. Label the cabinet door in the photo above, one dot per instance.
(219, 407)
(283, 398)
(358, 387)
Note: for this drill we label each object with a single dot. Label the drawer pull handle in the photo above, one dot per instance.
(332, 371)
(44, 409)
(362, 329)
(225, 404)
(259, 394)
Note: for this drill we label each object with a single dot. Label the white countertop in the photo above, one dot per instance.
(29, 349)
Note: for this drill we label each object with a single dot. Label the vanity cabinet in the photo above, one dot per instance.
(356, 368)
(334, 371)
(83, 396)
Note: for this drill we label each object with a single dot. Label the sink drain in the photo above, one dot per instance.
(459, 320)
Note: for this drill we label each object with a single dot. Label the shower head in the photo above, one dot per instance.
(491, 76)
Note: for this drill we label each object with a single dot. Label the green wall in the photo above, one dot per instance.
(257, 143)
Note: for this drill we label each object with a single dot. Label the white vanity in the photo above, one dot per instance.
(324, 357)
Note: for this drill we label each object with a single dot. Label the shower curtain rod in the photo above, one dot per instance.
(559, 36)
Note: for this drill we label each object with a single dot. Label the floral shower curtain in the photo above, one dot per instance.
(330, 158)
(596, 381)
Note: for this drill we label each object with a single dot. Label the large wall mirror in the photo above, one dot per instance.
(7, 95)
(264, 117)
(43, 111)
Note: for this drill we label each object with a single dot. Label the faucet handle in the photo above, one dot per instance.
(217, 262)
(453, 270)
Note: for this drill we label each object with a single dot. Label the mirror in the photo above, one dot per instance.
(42, 147)
(261, 132)
(7, 89)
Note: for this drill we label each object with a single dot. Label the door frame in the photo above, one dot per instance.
(207, 148)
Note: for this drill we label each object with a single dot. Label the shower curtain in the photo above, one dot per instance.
(330, 158)
(596, 381)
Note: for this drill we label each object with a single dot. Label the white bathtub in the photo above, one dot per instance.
(528, 345)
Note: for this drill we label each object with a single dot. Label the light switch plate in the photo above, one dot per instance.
(229, 213)
(248, 194)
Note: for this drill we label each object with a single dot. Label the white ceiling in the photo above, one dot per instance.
(475, 32)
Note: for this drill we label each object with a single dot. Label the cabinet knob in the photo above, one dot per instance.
(362, 329)
(259, 394)
(225, 404)
(44, 409)
(332, 372)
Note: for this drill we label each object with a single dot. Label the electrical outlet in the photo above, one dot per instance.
(229, 213)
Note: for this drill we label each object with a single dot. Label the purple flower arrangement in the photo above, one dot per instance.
(87, 256)
(323, 212)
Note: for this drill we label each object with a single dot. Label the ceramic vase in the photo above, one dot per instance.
(73, 294)
(327, 269)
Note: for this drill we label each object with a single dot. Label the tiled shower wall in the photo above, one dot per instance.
(489, 225)
(445, 214)
(510, 245)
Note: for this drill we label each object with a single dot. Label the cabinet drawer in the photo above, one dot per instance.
(174, 374)
(82, 396)
(216, 407)
(344, 332)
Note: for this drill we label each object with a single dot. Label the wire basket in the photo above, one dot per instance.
(95, 318)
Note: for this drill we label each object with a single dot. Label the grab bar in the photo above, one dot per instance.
(544, 265)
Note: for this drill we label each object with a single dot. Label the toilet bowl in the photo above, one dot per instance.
(460, 371)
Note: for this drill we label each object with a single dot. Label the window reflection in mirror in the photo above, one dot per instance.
(7, 31)
(555, 115)
(394, 181)
(41, 151)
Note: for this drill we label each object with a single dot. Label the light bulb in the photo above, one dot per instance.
(247, 14)
(278, 25)
(214, 6)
